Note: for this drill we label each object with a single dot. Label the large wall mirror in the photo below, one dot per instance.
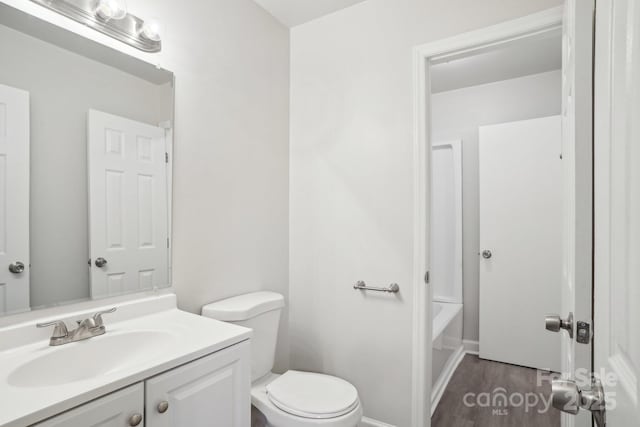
(85, 137)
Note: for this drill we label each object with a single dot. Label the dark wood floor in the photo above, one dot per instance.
(474, 377)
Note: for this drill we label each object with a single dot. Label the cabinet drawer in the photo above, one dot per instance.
(113, 410)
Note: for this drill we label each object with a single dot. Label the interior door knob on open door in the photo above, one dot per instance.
(486, 254)
(554, 323)
(101, 262)
(568, 397)
(16, 267)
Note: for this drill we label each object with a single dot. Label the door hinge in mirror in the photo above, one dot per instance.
(426, 277)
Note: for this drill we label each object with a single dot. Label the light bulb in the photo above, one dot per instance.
(151, 30)
(111, 9)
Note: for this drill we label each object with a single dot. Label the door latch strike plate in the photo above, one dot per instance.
(583, 332)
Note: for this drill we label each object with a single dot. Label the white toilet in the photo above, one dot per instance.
(293, 399)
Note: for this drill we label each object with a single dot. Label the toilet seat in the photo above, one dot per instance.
(312, 395)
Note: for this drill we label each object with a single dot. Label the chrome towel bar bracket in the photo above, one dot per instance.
(393, 288)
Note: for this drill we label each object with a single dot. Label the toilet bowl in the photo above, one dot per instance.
(295, 398)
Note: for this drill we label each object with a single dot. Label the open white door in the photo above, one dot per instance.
(577, 152)
(14, 200)
(520, 240)
(617, 208)
(128, 211)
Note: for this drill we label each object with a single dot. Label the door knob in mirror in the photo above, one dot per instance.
(486, 254)
(16, 267)
(101, 262)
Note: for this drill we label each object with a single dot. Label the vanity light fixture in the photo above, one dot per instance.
(110, 17)
(111, 9)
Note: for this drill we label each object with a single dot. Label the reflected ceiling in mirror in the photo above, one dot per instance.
(84, 143)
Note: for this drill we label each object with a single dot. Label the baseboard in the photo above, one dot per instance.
(447, 373)
(471, 347)
(369, 422)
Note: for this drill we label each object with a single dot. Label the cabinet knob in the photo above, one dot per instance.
(135, 420)
(163, 406)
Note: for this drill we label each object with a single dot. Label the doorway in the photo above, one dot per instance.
(517, 324)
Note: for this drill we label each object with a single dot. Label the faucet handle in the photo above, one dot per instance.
(97, 318)
(60, 330)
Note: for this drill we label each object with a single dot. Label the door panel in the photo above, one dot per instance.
(114, 410)
(14, 198)
(212, 391)
(521, 224)
(577, 156)
(128, 205)
(617, 208)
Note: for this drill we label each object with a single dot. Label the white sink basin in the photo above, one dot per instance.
(145, 337)
(91, 358)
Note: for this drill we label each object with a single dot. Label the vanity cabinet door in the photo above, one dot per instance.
(119, 409)
(212, 391)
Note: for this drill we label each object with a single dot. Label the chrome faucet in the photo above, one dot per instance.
(87, 328)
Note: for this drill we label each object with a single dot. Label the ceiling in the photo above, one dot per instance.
(508, 61)
(296, 12)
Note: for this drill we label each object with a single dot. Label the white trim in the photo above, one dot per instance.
(370, 422)
(471, 347)
(441, 385)
(532, 25)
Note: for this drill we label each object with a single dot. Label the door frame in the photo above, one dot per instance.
(423, 55)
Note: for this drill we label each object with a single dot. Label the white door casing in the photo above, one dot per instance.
(617, 208)
(577, 156)
(521, 225)
(128, 209)
(14, 198)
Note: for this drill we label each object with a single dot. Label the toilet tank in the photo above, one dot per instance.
(259, 311)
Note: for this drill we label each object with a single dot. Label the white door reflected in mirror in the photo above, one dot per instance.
(14, 200)
(128, 207)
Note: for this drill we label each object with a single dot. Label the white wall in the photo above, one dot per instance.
(230, 215)
(231, 60)
(351, 187)
(457, 114)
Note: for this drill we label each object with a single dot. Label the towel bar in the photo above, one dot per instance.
(392, 288)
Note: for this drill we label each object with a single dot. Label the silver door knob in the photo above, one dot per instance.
(163, 406)
(16, 267)
(135, 420)
(554, 323)
(567, 397)
(101, 262)
(486, 254)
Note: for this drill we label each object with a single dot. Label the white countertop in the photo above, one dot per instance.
(191, 337)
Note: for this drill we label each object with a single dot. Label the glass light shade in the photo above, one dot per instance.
(151, 30)
(111, 9)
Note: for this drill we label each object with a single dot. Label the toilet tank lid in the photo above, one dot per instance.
(243, 307)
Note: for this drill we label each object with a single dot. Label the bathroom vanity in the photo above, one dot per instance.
(154, 366)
